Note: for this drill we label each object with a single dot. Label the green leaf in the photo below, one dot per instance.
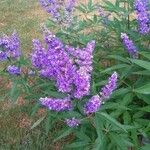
(145, 54)
(112, 120)
(37, 122)
(141, 63)
(64, 134)
(99, 142)
(117, 57)
(144, 89)
(35, 108)
(82, 136)
(77, 145)
(115, 67)
(146, 108)
(48, 123)
(15, 92)
(145, 147)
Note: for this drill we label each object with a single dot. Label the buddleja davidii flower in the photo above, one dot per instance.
(142, 16)
(83, 60)
(61, 63)
(3, 56)
(93, 104)
(82, 84)
(73, 122)
(52, 7)
(13, 70)
(57, 105)
(68, 12)
(129, 45)
(109, 87)
(11, 45)
(39, 56)
(60, 10)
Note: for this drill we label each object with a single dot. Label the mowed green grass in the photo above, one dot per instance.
(24, 16)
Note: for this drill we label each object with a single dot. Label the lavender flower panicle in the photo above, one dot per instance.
(73, 122)
(83, 59)
(38, 57)
(57, 104)
(11, 45)
(142, 16)
(68, 66)
(13, 70)
(61, 11)
(95, 102)
(3, 56)
(92, 105)
(109, 87)
(129, 45)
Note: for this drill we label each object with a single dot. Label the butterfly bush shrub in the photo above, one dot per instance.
(90, 73)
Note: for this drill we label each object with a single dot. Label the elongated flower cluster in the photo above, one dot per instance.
(95, 102)
(129, 45)
(13, 70)
(54, 63)
(83, 59)
(73, 122)
(57, 104)
(71, 68)
(3, 56)
(92, 105)
(143, 16)
(61, 11)
(10, 46)
(109, 87)
(52, 7)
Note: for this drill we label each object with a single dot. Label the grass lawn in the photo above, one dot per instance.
(25, 16)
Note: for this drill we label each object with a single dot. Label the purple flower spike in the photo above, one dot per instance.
(69, 67)
(129, 45)
(92, 105)
(11, 45)
(61, 11)
(3, 56)
(57, 104)
(83, 59)
(73, 122)
(142, 16)
(109, 87)
(38, 57)
(13, 70)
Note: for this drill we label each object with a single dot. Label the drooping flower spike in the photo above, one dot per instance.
(73, 122)
(13, 70)
(93, 104)
(129, 45)
(10, 46)
(61, 11)
(143, 16)
(57, 105)
(70, 67)
(107, 90)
